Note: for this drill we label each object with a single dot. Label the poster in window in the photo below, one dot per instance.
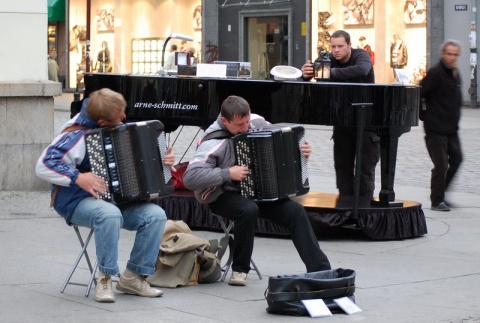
(105, 19)
(415, 12)
(357, 12)
(197, 18)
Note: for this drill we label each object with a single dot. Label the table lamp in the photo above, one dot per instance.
(175, 36)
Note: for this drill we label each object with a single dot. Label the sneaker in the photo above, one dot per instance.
(103, 291)
(440, 207)
(238, 279)
(137, 285)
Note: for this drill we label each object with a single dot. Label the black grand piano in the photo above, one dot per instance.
(390, 110)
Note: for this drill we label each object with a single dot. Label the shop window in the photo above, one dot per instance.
(147, 55)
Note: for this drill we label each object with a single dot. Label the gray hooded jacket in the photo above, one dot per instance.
(208, 172)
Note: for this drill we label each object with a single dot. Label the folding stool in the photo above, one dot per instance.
(83, 252)
(226, 229)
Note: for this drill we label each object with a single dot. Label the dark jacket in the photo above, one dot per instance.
(358, 69)
(401, 59)
(443, 99)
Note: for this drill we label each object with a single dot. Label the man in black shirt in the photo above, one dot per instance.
(353, 66)
(442, 92)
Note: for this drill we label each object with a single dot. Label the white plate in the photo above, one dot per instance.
(285, 73)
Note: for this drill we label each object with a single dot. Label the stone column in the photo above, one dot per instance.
(26, 128)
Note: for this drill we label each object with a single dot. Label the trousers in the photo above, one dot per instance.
(287, 213)
(344, 149)
(446, 154)
(107, 219)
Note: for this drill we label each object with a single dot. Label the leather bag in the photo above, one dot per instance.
(284, 294)
(177, 177)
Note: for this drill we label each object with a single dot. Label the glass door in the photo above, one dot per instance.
(266, 43)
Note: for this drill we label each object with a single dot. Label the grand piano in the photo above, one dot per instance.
(389, 110)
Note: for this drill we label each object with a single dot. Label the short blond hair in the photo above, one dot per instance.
(103, 103)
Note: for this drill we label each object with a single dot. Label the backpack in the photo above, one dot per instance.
(187, 260)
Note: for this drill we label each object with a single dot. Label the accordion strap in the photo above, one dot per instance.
(217, 134)
(57, 187)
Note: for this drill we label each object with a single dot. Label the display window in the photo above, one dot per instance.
(126, 36)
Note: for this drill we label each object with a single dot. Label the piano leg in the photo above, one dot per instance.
(388, 160)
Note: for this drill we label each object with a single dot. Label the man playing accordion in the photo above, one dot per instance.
(76, 192)
(213, 175)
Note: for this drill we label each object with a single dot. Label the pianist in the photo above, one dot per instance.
(75, 196)
(212, 174)
(351, 65)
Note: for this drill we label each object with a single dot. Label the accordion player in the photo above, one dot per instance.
(278, 169)
(129, 158)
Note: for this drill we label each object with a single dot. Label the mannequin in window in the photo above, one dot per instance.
(367, 48)
(103, 59)
(398, 54)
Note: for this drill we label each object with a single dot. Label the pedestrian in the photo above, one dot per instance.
(52, 67)
(442, 92)
(75, 196)
(170, 63)
(214, 177)
(351, 65)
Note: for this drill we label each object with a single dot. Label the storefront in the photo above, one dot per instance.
(56, 35)
(264, 33)
(127, 36)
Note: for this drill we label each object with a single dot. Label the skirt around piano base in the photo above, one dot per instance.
(328, 215)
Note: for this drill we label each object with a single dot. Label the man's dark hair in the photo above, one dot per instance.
(234, 106)
(341, 33)
(174, 47)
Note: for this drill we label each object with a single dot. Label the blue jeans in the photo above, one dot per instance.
(107, 219)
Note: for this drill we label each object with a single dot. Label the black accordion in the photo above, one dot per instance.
(278, 169)
(129, 157)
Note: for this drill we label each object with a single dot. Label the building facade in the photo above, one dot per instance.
(26, 95)
(264, 33)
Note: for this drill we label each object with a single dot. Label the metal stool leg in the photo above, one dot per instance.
(226, 229)
(83, 252)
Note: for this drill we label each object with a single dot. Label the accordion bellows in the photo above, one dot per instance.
(278, 169)
(129, 157)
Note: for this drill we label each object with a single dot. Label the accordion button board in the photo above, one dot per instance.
(278, 169)
(129, 158)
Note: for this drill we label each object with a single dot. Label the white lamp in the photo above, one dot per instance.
(175, 36)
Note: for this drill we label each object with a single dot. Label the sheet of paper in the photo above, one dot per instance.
(347, 305)
(212, 70)
(316, 307)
